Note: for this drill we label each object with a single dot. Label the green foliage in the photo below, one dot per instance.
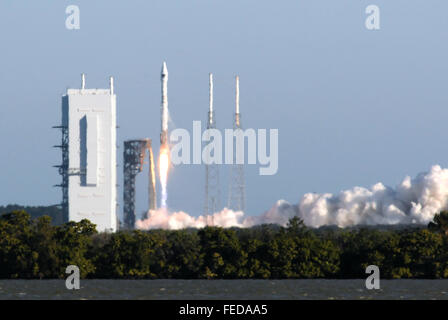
(222, 253)
(440, 223)
(34, 248)
(184, 256)
(132, 255)
(17, 260)
(54, 212)
(360, 249)
(75, 240)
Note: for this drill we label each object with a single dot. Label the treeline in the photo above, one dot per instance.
(54, 212)
(34, 248)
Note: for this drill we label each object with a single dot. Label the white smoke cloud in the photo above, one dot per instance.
(412, 201)
(163, 219)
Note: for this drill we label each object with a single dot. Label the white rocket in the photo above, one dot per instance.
(164, 106)
(237, 102)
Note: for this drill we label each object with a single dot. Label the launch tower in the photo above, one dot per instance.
(134, 157)
(212, 188)
(237, 198)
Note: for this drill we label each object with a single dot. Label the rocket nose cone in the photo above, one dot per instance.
(164, 69)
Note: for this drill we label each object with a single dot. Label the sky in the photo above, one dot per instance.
(353, 106)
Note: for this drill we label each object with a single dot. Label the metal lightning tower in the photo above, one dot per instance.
(212, 189)
(134, 156)
(237, 197)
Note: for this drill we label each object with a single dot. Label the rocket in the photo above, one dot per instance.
(164, 105)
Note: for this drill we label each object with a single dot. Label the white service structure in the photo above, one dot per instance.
(90, 116)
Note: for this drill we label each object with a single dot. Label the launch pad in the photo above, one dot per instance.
(88, 168)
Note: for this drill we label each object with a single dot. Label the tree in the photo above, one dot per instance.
(222, 252)
(34, 248)
(296, 226)
(440, 223)
(133, 255)
(45, 247)
(421, 253)
(75, 240)
(184, 258)
(17, 260)
(360, 249)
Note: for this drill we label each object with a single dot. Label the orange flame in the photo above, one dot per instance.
(164, 165)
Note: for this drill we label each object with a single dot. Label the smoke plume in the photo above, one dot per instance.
(412, 201)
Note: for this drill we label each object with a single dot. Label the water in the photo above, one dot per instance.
(224, 289)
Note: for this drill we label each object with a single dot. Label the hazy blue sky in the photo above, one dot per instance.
(353, 107)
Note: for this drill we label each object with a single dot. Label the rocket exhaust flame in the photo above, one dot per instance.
(164, 164)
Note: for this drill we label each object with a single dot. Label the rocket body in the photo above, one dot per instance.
(164, 106)
(237, 102)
